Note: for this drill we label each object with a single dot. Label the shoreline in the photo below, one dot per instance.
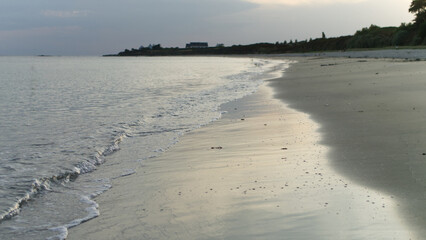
(407, 54)
(261, 171)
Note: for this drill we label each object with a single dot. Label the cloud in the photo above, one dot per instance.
(303, 2)
(34, 32)
(65, 14)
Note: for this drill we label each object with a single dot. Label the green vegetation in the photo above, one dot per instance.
(411, 34)
(418, 7)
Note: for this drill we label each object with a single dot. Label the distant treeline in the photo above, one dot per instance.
(411, 34)
(372, 37)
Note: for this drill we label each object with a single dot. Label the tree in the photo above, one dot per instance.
(418, 7)
(156, 47)
(323, 35)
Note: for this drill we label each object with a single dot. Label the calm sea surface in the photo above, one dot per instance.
(60, 118)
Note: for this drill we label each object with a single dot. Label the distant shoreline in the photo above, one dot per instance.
(414, 53)
(409, 35)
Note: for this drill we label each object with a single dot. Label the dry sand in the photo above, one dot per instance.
(352, 169)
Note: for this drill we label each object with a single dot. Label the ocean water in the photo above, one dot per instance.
(61, 117)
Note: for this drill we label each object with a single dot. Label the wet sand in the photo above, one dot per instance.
(352, 169)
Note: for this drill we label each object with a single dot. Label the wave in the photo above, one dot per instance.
(92, 212)
(43, 184)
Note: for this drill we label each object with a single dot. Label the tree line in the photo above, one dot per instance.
(407, 34)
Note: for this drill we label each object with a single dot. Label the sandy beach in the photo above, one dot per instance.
(371, 113)
(335, 149)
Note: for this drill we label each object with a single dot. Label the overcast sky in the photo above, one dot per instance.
(96, 27)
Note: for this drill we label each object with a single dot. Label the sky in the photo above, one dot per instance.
(96, 27)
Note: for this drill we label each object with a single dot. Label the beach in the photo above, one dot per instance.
(332, 150)
(371, 113)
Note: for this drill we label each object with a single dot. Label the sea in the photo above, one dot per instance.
(61, 117)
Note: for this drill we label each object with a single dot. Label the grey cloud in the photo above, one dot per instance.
(108, 26)
(66, 14)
